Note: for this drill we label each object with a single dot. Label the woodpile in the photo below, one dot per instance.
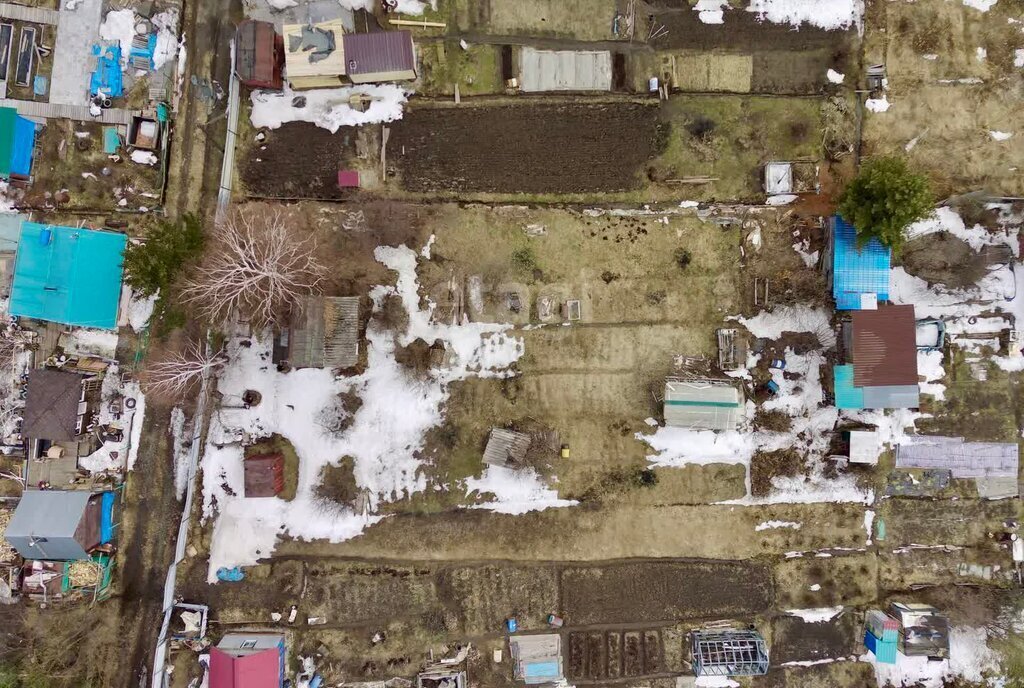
(7, 553)
(84, 573)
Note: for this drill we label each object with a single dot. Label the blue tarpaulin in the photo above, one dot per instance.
(107, 77)
(107, 518)
(24, 144)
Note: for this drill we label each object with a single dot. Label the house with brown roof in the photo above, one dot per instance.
(323, 56)
(879, 347)
(59, 405)
(259, 54)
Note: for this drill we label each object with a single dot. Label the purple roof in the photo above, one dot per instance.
(378, 52)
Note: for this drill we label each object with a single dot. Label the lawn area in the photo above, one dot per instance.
(729, 138)
(952, 80)
(443, 64)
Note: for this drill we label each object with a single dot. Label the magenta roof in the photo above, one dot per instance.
(258, 670)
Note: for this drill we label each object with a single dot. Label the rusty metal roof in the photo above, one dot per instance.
(884, 347)
(378, 52)
(257, 57)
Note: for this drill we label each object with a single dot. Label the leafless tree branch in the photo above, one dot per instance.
(258, 267)
(175, 375)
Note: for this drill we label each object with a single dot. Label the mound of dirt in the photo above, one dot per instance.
(944, 259)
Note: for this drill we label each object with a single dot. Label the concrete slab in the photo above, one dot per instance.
(77, 31)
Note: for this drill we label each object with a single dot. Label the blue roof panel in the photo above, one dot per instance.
(24, 144)
(67, 275)
(847, 396)
(857, 270)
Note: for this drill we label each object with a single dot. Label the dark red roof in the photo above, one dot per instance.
(258, 670)
(259, 54)
(348, 179)
(378, 52)
(264, 475)
(884, 347)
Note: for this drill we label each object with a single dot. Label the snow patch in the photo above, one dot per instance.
(166, 25)
(1000, 135)
(835, 77)
(831, 16)
(143, 157)
(515, 491)
(817, 615)
(771, 324)
(769, 525)
(877, 104)
(119, 25)
(981, 5)
(327, 108)
(711, 11)
(780, 199)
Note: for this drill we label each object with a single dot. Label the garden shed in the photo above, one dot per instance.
(702, 404)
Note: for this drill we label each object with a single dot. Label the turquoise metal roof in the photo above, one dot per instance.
(857, 270)
(847, 396)
(67, 275)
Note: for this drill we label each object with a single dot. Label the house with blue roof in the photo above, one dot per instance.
(17, 144)
(68, 275)
(858, 275)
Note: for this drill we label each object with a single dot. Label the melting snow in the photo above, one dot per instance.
(119, 26)
(1000, 135)
(835, 77)
(970, 658)
(769, 525)
(771, 324)
(929, 365)
(780, 199)
(711, 11)
(981, 5)
(327, 108)
(515, 491)
(384, 438)
(877, 104)
(817, 615)
(166, 24)
(832, 15)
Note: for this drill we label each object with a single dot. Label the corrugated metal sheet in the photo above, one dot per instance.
(379, 52)
(506, 448)
(857, 270)
(80, 113)
(702, 404)
(847, 396)
(892, 397)
(51, 409)
(565, 70)
(884, 347)
(36, 15)
(325, 332)
(963, 459)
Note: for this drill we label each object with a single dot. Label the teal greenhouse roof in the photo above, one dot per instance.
(68, 275)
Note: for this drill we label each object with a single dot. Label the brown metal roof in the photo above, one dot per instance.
(884, 347)
(51, 409)
(378, 52)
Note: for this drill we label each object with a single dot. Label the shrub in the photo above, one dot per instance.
(152, 266)
(884, 198)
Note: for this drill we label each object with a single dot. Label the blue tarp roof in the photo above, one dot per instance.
(107, 77)
(535, 670)
(857, 270)
(67, 275)
(24, 144)
(107, 518)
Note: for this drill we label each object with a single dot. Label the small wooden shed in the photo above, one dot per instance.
(264, 475)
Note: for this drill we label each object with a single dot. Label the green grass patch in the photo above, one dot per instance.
(443, 64)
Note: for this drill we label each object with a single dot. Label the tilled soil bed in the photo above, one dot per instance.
(299, 160)
(650, 591)
(526, 148)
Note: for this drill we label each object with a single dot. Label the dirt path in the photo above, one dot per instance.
(151, 515)
(581, 534)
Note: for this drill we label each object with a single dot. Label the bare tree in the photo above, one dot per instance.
(257, 267)
(176, 374)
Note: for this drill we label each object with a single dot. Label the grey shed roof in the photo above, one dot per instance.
(45, 522)
(325, 332)
(506, 448)
(964, 459)
(51, 410)
(702, 404)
